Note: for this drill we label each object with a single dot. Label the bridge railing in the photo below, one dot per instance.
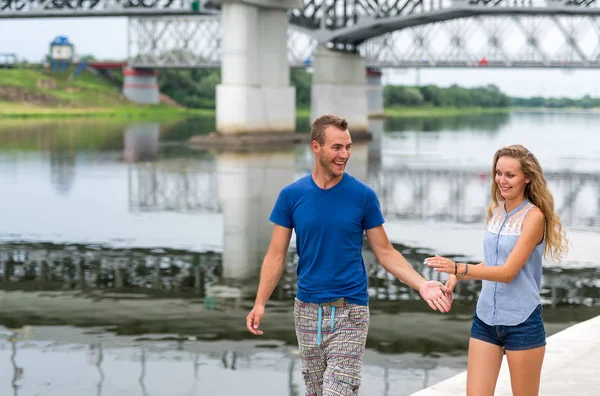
(49, 8)
(528, 3)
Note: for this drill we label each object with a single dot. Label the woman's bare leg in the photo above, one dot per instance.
(526, 370)
(483, 367)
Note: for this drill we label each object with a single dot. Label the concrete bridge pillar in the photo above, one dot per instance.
(255, 95)
(374, 93)
(141, 86)
(338, 87)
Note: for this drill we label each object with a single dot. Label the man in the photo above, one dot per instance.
(330, 211)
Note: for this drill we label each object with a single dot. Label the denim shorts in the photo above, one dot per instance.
(527, 335)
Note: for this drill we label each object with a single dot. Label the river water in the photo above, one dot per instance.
(129, 260)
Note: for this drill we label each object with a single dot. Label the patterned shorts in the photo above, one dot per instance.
(332, 355)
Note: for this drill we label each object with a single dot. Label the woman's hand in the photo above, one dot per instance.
(441, 264)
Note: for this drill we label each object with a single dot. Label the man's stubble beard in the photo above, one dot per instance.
(326, 166)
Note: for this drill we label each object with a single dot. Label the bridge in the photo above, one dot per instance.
(388, 34)
(256, 41)
(406, 193)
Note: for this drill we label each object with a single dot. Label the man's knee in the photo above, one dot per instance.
(343, 381)
(313, 381)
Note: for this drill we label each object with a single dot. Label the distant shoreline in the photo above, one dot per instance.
(158, 112)
(10, 110)
(24, 111)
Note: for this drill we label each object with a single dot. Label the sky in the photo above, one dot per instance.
(106, 38)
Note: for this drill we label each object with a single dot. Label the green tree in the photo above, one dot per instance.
(302, 80)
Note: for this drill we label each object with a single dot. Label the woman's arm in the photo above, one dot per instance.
(532, 234)
(453, 280)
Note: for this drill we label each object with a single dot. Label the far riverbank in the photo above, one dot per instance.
(161, 112)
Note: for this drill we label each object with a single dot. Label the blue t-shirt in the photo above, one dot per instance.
(329, 226)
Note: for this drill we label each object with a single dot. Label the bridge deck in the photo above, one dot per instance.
(570, 366)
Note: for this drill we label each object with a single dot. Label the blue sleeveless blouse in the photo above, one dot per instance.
(509, 304)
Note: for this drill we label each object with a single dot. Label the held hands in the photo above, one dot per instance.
(254, 318)
(438, 296)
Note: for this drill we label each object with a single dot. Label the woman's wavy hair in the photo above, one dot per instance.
(537, 192)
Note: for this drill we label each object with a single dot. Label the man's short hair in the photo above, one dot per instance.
(317, 130)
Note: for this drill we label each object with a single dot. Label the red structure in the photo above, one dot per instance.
(107, 65)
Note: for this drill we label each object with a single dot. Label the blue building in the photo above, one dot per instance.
(61, 53)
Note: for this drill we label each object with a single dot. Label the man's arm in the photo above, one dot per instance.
(273, 263)
(396, 264)
(270, 273)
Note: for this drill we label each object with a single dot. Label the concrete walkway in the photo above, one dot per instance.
(571, 366)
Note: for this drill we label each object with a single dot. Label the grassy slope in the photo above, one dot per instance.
(86, 89)
(86, 95)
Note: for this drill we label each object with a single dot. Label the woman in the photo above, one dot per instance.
(522, 228)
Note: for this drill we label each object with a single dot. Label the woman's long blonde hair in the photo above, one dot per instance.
(537, 192)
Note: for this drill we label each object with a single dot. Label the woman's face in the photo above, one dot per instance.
(510, 178)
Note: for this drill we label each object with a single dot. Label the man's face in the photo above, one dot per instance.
(335, 152)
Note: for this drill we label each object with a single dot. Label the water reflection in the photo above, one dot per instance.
(129, 228)
(126, 366)
(248, 185)
(141, 142)
(62, 169)
(188, 274)
(481, 123)
(232, 194)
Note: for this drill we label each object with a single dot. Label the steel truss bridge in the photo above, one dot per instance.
(388, 33)
(458, 195)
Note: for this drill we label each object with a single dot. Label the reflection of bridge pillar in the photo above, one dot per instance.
(255, 93)
(376, 126)
(248, 187)
(141, 142)
(338, 87)
(374, 93)
(140, 86)
(62, 168)
(358, 163)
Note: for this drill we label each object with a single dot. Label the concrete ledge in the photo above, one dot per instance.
(570, 366)
(257, 141)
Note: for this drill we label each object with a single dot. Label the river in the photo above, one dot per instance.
(129, 260)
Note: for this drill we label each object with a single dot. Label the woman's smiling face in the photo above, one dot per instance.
(510, 178)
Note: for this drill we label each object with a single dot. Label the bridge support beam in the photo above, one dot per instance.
(255, 95)
(338, 87)
(374, 93)
(141, 86)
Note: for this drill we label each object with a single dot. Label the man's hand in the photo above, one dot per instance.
(438, 296)
(254, 318)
